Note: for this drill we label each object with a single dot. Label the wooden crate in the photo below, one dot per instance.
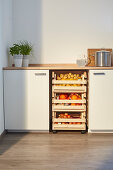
(66, 108)
(68, 89)
(69, 82)
(68, 101)
(69, 127)
(68, 120)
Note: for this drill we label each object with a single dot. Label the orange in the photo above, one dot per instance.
(74, 97)
(62, 96)
(69, 117)
(79, 98)
(73, 104)
(74, 122)
(78, 123)
(63, 123)
(70, 123)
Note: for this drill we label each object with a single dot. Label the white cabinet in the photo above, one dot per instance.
(26, 99)
(100, 100)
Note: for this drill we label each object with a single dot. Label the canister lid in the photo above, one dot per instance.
(102, 51)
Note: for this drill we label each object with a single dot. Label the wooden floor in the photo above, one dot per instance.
(56, 151)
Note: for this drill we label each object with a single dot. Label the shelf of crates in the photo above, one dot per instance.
(69, 89)
(68, 101)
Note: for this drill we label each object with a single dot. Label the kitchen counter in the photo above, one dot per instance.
(57, 67)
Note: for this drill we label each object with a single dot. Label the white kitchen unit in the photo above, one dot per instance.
(100, 101)
(26, 99)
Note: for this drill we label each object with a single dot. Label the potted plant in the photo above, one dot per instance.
(15, 52)
(25, 50)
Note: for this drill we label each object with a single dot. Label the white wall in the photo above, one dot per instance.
(5, 41)
(61, 30)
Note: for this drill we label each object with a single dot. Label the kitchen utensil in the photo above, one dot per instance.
(81, 61)
(91, 55)
(103, 58)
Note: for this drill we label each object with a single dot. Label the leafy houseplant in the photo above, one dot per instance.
(15, 52)
(25, 50)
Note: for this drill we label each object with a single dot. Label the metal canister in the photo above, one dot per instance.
(103, 58)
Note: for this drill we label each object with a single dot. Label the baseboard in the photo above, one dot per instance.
(3, 134)
(100, 131)
(28, 131)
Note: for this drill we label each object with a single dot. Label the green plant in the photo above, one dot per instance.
(15, 49)
(25, 48)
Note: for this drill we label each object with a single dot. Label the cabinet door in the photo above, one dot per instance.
(26, 99)
(38, 100)
(101, 100)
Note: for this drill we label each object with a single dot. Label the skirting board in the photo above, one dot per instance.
(28, 131)
(100, 131)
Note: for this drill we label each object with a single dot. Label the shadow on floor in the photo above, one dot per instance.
(9, 140)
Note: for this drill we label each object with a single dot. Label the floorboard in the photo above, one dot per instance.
(23, 151)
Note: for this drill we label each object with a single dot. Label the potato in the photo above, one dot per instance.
(58, 78)
(65, 75)
(61, 75)
(69, 76)
(72, 76)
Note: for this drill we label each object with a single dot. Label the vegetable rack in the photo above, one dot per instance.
(69, 98)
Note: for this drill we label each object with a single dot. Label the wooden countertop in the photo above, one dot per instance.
(56, 67)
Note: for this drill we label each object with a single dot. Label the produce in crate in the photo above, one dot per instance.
(65, 115)
(68, 100)
(72, 96)
(63, 96)
(69, 76)
(69, 85)
(68, 116)
(71, 123)
(76, 104)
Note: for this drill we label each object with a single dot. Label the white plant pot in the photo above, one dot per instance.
(25, 60)
(18, 60)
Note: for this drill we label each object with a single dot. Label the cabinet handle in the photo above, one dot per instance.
(96, 74)
(40, 74)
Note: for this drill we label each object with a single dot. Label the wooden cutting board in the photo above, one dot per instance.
(91, 55)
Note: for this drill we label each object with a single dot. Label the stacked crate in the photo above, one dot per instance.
(65, 115)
